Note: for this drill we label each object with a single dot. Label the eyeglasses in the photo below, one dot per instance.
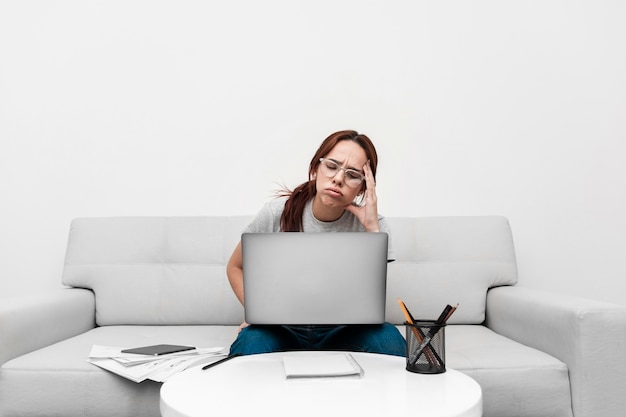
(352, 177)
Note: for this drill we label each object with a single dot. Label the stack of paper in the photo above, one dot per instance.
(320, 366)
(138, 368)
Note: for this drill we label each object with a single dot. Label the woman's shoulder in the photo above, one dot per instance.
(268, 218)
(277, 203)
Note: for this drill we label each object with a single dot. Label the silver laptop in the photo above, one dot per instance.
(314, 278)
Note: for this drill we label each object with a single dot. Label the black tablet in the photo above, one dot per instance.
(156, 350)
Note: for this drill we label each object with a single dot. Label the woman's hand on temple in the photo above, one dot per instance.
(368, 212)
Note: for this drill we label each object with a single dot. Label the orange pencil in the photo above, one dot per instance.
(407, 315)
(409, 319)
(420, 339)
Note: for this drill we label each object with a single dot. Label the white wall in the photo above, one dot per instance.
(143, 107)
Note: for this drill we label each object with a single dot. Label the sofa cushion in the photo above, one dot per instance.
(156, 270)
(171, 270)
(66, 385)
(512, 376)
(448, 260)
(508, 372)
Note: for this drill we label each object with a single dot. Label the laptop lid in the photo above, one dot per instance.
(314, 278)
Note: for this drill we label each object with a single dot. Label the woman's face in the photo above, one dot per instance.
(332, 191)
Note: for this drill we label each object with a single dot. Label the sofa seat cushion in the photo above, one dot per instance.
(509, 373)
(66, 385)
(62, 379)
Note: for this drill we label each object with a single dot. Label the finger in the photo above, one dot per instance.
(370, 182)
(370, 187)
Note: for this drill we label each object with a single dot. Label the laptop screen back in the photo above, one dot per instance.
(314, 278)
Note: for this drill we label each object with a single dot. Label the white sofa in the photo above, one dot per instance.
(145, 280)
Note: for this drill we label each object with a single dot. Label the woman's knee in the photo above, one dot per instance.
(254, 339)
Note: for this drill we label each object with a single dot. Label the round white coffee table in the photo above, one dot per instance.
(255, 384)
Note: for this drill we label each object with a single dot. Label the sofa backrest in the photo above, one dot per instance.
(171, 270)
(448, 260)
(156, 270)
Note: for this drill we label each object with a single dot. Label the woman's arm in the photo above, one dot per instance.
(234, 271)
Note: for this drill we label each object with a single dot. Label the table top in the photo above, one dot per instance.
(249, 385)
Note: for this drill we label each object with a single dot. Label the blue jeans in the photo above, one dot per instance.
(381, 338)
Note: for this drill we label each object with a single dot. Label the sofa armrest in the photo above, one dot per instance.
(588, 336)
(34, 321)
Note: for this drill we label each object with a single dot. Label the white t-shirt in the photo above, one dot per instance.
(267, 220)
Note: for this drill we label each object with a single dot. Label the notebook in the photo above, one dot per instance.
(314, 278)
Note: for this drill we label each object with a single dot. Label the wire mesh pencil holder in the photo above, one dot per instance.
(425, 347)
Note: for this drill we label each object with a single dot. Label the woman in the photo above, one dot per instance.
(340, 196)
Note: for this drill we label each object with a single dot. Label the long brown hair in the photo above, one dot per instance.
(291, 218)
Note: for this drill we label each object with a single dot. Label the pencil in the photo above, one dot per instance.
(220, 361)
(420, 338)
(444, 314)
(407, 314)
(451, 312)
